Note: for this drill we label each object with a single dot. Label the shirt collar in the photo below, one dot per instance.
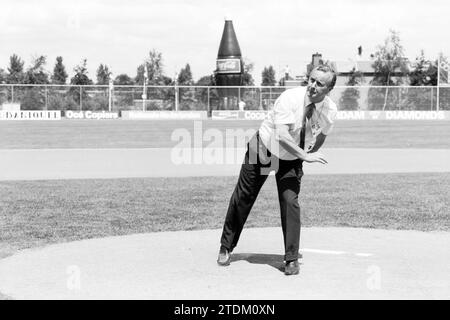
(318, 105)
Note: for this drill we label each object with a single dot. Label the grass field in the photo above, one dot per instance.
(153, 134)
(41, 212)
(34, 213)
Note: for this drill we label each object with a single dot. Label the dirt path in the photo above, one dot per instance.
(42, 164)
(338, 263)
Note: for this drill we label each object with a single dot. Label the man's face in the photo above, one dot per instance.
(318, 85)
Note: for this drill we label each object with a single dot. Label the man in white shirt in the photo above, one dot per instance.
(293, 132)
(241, 105)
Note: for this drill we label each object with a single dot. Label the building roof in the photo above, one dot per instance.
(348, 66)
(363, 66)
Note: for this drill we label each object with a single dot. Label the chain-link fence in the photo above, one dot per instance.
(117, 98)
(391, 98)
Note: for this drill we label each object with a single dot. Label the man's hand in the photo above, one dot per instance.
(315, 157)
(288, 144)
(320, 139)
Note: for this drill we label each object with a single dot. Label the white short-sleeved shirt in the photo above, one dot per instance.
(288, 109)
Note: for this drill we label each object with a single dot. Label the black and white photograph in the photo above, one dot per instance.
(224, 156)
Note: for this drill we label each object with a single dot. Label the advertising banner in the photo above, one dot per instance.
(239, 115)
(228, 65)
(164, 115)
(30, 115)
(225, 115)
(93, 115)
(393, 115)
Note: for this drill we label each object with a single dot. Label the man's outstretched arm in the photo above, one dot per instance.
(286, 141)
(320, 139)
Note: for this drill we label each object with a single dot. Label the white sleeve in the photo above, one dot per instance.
(329, 119)
(283, 110)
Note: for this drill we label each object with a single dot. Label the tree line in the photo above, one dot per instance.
(389, 64)
(152, 70)
(390, 68)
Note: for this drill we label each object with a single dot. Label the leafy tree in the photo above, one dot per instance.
(79, 79)
(424, 72)
(247, 78)
(59, 72)
(103, 74)
(188, 100)
(249, 95)
(81, 75)
(36, 73)
(123, 80)
(165, 81)
(201, 94)
(34, 98)
(140, 75)
(205, 81)
(15, 70)
(165, 94)
(185, 76)
(154, 66)
(3, 76)
(126, 96)
(268, 76)
(444, 92)
(350, 96)
(103, 78)
(187, 96)
(154, 69)
(389, 61)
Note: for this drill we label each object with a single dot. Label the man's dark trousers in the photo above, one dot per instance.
(252, 176)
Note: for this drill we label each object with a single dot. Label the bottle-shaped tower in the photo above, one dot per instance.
(229, 68)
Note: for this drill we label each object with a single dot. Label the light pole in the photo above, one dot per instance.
(438, 82)
(176, 91)
(111, 88)
(144, 90)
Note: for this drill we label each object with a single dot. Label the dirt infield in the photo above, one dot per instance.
(41, 164)
(424, 134)
(337, 263)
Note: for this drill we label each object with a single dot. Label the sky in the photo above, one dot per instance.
(279, 33)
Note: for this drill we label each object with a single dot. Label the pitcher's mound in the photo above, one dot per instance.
(337, 263)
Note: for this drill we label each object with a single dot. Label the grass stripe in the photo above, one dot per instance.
(34, 213)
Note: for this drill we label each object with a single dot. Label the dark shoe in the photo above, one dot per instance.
(224, 257)
(291, 268)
